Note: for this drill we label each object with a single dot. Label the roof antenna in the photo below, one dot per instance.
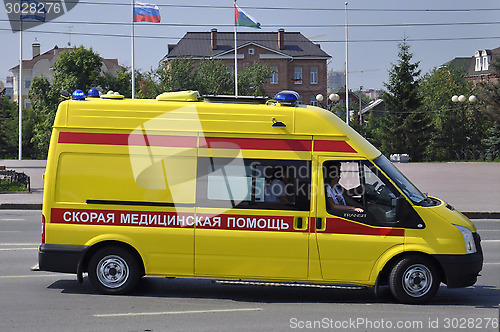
(70, 28)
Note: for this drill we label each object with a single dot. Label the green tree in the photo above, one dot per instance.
(213, 78)
(151, 83)
(120, 81)
(372, 129)
(492, 142)
(75, 69)
(30, 146)
(179, 74)
(44, 99)
(458, 129)
(8, 127)
(252, 79)
(489, 94)
(404, 128)
(208, 76)
(437, 88)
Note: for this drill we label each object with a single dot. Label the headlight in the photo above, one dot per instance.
(470, 246)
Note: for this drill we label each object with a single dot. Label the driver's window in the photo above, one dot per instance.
(343, 191)
(380, 198)
(356, 190)
(350, 176)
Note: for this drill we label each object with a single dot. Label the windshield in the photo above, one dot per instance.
(400, 180)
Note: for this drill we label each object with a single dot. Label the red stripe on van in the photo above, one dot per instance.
(255, 143)
(205, 142)
(332, 146)
(341, 226)
(312, 224)
(173, 220)
(250, 223)
(127, 139)
(122, 218)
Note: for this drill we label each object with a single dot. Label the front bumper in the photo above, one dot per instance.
(60, 258)
(462, 270)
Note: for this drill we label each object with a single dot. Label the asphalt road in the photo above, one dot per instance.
(34, 301)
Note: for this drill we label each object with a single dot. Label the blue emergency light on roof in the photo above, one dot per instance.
(93, 93)
(287, 97)
(78, 95)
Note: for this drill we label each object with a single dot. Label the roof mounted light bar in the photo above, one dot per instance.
(235, 99)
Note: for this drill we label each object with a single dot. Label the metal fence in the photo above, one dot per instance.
(15, 177)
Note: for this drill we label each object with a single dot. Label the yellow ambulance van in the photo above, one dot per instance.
(241, 189)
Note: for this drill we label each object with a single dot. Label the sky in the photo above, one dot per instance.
(437, 31)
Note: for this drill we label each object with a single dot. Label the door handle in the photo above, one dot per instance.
(319, 223)
(300, 223)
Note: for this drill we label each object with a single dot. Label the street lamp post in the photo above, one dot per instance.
(359, 96)
(333, 98)
(320, 98)
(462, 99)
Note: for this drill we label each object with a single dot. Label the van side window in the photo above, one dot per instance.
(357, 190)
(253, 183)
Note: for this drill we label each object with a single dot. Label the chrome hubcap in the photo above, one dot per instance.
(112, 271)
(417, 280)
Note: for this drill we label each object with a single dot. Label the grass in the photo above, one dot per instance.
(8, 186)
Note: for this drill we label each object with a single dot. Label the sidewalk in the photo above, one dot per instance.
(33, 200)
(473, 188)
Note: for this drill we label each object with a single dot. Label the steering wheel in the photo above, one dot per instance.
(370, 188)
(380, 189)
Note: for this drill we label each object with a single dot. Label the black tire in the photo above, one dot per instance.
(414, 280)
(113, 270)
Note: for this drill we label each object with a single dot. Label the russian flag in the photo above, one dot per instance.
(146, 12)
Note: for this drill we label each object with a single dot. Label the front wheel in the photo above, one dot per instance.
(414, 280)
(113, 270)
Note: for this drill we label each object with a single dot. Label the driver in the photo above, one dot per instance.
(335, 198)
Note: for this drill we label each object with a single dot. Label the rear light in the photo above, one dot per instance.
(43, 228)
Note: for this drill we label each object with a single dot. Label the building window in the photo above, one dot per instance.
(314, 75)
(478, 64)
(297, 78)
(27, 83)
(486, 64)
(251, 51)
(274, 75)
(314, 101)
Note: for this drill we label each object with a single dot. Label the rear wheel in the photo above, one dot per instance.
(414, 279)
(113, 270)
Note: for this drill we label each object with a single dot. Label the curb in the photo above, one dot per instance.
(20, 206)
(35, 206)
(482, 215)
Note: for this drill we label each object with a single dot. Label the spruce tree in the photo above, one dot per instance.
(404, 128)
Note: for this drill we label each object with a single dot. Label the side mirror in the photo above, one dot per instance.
(401, 208)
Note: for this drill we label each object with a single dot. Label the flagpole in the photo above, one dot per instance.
(348, 115)
(20, 92)
(235, 56)
(133, 58)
